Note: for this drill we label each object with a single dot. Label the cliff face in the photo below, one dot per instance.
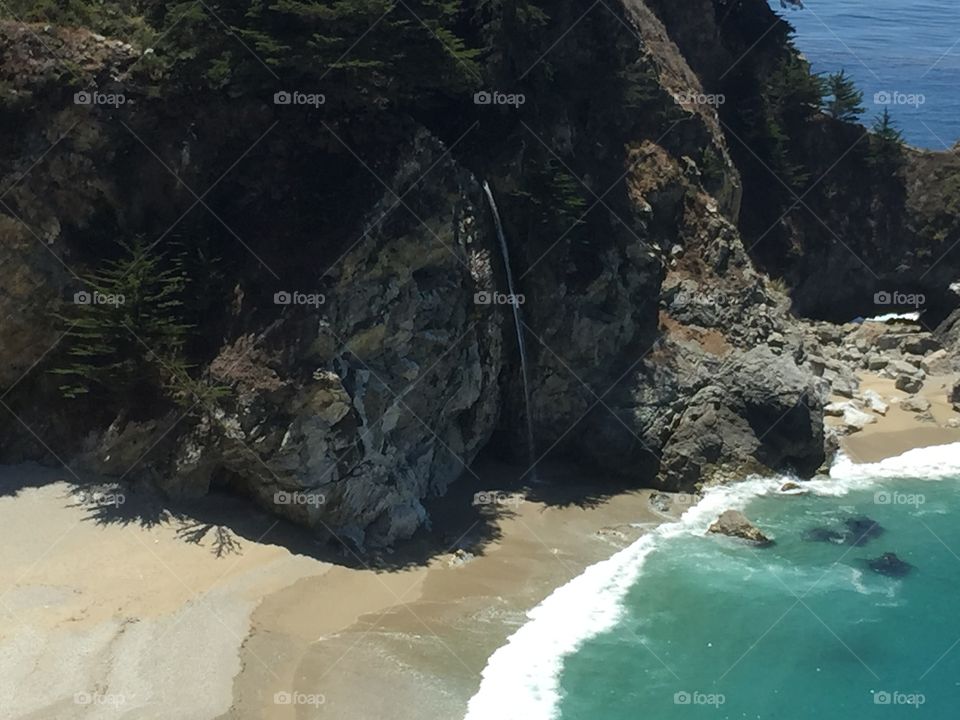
(657, 350)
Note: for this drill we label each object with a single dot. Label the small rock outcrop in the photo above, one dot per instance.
(734, 523)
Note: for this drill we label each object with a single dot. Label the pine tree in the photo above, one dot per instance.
(124, 330)
(844, 100)
(886, 143)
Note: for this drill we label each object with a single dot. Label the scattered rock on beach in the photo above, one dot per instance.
(937, 363)
(857, 419)
(890, 565)
(661, 502)
(954, 396)
(734, 523)
(915, 404)
(910, 383)
(874, 401)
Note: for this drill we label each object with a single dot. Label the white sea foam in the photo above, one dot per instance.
(929, 463)
(521, 679)
(887, 317)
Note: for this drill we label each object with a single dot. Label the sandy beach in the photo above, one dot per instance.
(900, 430)
(117, 606)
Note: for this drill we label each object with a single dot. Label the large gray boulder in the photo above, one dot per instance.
(734, 523)
(759, 412)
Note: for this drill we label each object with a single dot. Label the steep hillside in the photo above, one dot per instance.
(296, 209)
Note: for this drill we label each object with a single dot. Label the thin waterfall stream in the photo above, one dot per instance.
(517, 321)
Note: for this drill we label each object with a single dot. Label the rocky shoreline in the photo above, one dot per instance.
(667, 283)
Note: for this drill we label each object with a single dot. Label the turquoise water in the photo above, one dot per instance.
(895, 48)
(802, 629)
(684, 624)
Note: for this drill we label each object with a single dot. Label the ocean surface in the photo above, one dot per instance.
(683, 625)
(903, 54)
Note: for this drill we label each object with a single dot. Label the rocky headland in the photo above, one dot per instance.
(335, 349)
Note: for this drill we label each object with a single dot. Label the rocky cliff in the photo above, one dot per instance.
(345, 359)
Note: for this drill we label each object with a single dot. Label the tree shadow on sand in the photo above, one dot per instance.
(466, 518)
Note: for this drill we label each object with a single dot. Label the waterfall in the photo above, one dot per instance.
(505, 252)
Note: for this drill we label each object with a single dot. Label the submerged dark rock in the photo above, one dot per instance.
(825, 534)
(863, 529)
(855, 531)
(890, 565)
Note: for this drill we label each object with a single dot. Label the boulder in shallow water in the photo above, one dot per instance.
(791, 487)
(734, 523)
(890, 565)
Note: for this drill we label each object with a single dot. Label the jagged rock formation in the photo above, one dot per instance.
(659, 351)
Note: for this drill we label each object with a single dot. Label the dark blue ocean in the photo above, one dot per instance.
(903, 54)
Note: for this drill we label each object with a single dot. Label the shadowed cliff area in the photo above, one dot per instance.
(248, 254)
